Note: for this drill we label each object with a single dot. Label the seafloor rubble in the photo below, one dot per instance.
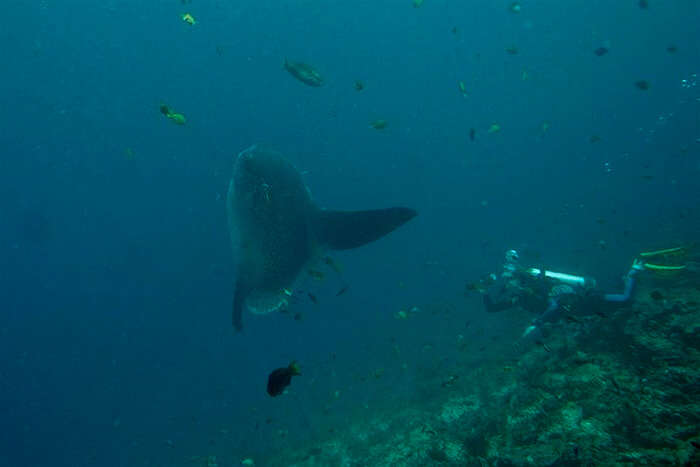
(615, 388)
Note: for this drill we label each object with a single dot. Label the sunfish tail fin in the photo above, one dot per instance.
(343, 230)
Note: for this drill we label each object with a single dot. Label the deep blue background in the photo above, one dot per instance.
(116, 269)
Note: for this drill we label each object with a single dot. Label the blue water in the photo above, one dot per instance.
(117, 276)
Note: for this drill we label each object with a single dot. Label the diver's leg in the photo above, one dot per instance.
(629, 288)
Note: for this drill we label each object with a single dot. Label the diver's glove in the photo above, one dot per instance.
(637, 265)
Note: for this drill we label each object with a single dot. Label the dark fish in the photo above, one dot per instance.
(543, 345)
(512, 50)
(312, 297)
(594, 139)
(572, 319)
(643, 4)
(298, 316)
(642, 84)
(165, 110)
(672, 49)
(359, 85)
(281, 377)
(454, 30)
(472, 134)
(600, 51)
(648, 177)
(341, 291)
(656, 295)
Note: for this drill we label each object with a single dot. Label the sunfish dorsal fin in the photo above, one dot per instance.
(343, 230)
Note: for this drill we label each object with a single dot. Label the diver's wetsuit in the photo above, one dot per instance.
(515, 287)
(516, 290)
(564, 293)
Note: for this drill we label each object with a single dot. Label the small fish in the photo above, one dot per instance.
(643, 4)
(512, 50)
(379, 124)
(359, 85)
(174, 117)
(312, 297)
(594, 139)
(450, 381)
(298, 316)
(341, 291)
(672, 49)
(472, 134)
(418, 3)
(462, 88)
(318, 275)
(454, 30)
(543, 345)
(332, 264)
(494, 128)
(600, 51)
(642, 84)
(189, 19)
(304, 73)
(515, 7)
(279, 379)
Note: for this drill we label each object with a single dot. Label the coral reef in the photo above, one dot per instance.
(609, 389)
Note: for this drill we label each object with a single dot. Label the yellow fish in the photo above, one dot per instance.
(189, 19)
(379, 124)
(463, 88)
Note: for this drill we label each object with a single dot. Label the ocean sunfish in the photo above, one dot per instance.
(277, 230)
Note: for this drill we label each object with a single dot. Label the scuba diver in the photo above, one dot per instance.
(550, 294)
